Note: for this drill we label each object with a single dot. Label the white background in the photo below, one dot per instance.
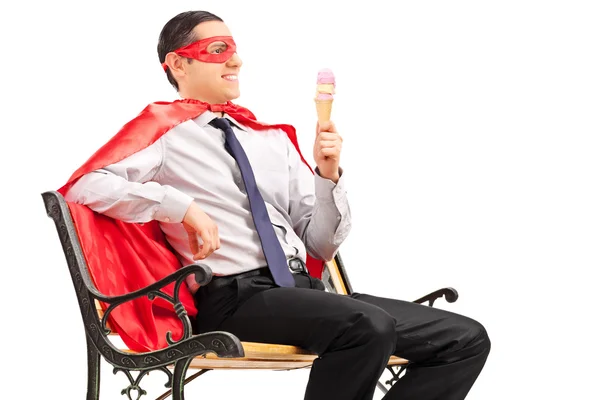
(471, 158)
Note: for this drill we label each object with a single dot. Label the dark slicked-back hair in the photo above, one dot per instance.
(179, 32)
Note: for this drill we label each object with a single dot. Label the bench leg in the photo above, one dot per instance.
(188, 380)
(395, 377)
(382, 387)
(93, 389)
(179, 371)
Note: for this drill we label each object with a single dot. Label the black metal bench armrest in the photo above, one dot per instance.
(223, 344)
(449, 293)
(202, 272)
(203, 276)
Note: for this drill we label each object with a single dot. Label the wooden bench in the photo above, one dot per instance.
(205, 352)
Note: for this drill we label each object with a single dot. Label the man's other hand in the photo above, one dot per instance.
(196, 222)
(327, 149)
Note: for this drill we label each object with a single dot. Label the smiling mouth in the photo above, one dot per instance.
(230, 78)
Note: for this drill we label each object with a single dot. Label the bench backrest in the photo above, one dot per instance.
(58, 210)
(335, 276)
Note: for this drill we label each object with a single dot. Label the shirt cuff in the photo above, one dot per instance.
(173, 206)
(326, 189)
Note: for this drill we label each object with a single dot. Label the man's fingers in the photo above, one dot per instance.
(215, 240)
(210, 243)
(193, 240)
(329, 143)
(218, 239)
(199, 226)
(205, 249)
(325, 126)
(329, 136)
(330, 152)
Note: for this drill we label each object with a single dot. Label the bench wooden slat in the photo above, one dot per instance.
(336, 277)
(236, 363)
(228, 363)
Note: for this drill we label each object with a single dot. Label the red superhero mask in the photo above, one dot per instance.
(216, 49)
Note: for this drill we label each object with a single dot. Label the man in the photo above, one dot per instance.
(236, 196)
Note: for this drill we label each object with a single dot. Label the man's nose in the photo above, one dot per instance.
(234, 61)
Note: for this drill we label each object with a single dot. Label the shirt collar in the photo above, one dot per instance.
(208, 116)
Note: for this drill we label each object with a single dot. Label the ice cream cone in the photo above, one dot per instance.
(324, 109)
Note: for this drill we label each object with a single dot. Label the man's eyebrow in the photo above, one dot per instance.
(217, 44)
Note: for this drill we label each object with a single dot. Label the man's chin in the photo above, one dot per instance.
(232, 95)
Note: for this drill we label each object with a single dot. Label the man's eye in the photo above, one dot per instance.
(218, 51)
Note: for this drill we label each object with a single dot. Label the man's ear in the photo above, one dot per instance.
(175, 65)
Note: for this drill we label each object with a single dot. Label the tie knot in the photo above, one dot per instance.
(220, 123)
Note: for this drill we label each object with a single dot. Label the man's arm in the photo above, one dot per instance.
(125, 191)
(318, 205)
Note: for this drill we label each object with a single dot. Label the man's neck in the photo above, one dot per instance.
(219, 113)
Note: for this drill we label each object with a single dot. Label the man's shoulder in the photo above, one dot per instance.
(170, 111)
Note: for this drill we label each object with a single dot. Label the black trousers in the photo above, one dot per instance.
(353, 335)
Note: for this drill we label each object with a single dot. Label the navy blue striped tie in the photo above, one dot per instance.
(274, 255)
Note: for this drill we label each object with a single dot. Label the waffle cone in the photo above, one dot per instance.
(323, 109)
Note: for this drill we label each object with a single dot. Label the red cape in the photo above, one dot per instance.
(123, 257)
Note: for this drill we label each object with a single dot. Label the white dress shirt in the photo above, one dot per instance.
(190, 163)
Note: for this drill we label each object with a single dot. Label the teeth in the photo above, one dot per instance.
(230, 77)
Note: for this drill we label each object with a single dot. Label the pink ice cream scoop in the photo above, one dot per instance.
(324, 96)
(325, 76)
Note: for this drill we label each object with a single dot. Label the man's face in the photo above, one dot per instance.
(211, 82)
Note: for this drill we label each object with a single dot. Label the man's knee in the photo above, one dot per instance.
(474, 336)
(374, 328)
